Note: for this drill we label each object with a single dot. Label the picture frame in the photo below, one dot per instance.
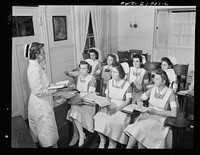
(59, 28)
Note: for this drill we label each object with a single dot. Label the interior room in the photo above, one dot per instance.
(68, 32)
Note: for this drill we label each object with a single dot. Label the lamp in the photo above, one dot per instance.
(135, 25)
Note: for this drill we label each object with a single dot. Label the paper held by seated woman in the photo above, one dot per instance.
(101, 101)
(132, 107)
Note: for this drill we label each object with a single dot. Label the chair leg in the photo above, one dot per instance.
(177, 136)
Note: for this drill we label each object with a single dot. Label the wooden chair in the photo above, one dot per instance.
(123, 56)
(178, 126)
(134, 51)
(188, 109)
(151, 67)
(181, 71)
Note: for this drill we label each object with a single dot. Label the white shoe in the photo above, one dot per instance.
(102, 145)
(112, 145)
(81, 140)
(73, 141)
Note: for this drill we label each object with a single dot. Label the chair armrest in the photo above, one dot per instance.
(135, 112)
(179, 122)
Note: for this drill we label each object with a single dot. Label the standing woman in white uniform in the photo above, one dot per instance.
(138, 77)
(149, 129)
(110, 121)
(41, 116)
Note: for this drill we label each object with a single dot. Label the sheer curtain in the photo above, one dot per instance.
(81, 20)
(182, 28)
(97, 23)
(162, 28)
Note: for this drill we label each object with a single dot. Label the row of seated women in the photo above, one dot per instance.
(148, 129)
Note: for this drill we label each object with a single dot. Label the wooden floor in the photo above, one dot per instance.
(92, 140)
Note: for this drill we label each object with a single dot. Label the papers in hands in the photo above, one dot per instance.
(63, 82)
(132, 107)
(184, 92)
(60, 84)
(101, 101)
(66, 95)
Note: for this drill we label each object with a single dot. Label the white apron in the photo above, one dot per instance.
(150, 131)
(83, 113)
(113, 125)
(136, 78)
(41, 116)
(172, 77)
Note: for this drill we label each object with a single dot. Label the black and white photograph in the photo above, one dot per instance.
(103, 77)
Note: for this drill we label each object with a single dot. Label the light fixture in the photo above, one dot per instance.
(135, 25)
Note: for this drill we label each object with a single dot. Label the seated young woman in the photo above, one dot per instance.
(94, 62)
(82, 115)
(106, 70)
(138, 77)
(148, 129)
(167, 66)
(110, 121)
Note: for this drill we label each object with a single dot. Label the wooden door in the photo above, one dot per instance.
(20, 86)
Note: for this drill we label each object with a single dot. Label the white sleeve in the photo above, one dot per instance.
(36, 85)
(144, 97)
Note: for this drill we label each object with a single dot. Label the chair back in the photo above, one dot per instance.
(151, 66)
(188, 107)
(134, 51)
(181, 71)
(123, 55)
(99, 86)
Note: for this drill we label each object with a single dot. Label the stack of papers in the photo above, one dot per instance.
(66, 95)
(101, 101)
(132, 107)
(57, 85)
(62, 82)
(74, 73)
(184, 92)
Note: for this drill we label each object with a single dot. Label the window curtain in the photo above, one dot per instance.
(97, 23)
(162, 28)
(182, 28)
(81, 20)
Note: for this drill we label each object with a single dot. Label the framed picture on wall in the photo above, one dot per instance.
(59, 28)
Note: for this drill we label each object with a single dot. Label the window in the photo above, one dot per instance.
(175, 28)
(90, 42)
(182, 28)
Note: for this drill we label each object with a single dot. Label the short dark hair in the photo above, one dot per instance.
(113, 56)
(35, 49)
(120, 69)
(88, 65)
(137, 56)
(92, 50)
(168, 61)
(163, 75)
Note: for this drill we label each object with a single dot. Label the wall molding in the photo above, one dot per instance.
(62, 47)
(134, 37)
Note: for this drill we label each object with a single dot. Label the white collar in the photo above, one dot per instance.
(162, 91)
(34, 62)
(116, 83)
